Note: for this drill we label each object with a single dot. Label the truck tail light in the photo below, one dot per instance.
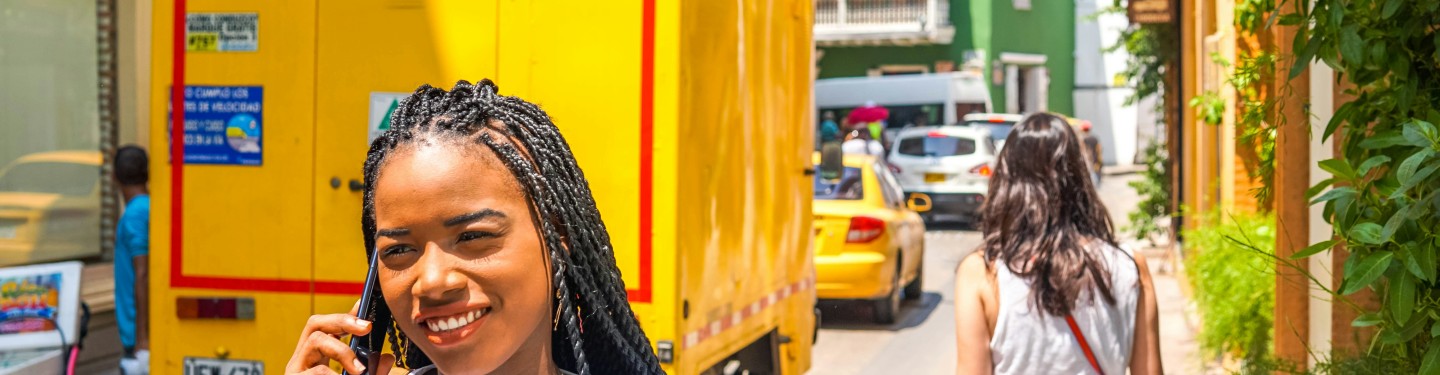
(234, 308)
(982, 170)
(864, 229)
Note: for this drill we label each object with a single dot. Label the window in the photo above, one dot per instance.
(895, 70)
(850, 186)
(68, 179)
(894, 195)
(998, 130)
(937, 145)
(55, 108)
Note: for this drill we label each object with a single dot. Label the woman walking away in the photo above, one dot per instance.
(1049, 292)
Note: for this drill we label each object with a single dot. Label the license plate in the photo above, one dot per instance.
(215, 366)
(8, 231)
(935, 177)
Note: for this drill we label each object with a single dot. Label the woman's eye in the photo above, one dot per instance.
(467, 236)
(397, 250)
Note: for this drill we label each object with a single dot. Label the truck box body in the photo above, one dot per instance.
(691, 120)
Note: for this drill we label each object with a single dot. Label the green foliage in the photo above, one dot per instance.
(1150, 48)
(1253, 128)
(1232, 268)
(1209, 106)
(1386, 208)
(1250, 15)
(1153, 187)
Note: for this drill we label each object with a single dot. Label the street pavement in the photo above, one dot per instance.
(922, 341)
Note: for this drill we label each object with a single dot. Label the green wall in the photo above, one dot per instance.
(1048, 28)
(993, 26)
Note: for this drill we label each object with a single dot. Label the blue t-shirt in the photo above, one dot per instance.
(132, 239)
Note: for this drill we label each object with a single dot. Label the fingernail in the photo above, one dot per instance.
(362, 323)
(359, 365)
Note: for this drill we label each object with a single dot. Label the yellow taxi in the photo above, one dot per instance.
(50, 207)
(869, 244)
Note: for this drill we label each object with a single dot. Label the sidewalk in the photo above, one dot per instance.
(1179, 352)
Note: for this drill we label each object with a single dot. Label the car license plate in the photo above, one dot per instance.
(8, 231)
(215, 366)
(935, 177)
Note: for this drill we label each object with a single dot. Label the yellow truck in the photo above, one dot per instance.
(691, 118)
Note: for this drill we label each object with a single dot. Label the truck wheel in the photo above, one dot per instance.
(888, 306)
(915, 288)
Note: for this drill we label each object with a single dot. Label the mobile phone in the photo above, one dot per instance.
(367, 348)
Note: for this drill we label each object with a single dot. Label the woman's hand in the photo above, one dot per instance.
(320, 343)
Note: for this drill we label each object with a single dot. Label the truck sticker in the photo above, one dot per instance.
(222, 32)
(223, 125)
(382, 105)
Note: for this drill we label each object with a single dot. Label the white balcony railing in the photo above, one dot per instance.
(882, 22)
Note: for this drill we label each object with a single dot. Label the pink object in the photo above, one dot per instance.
(867, 114)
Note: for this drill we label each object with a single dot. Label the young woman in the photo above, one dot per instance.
(1049, 292)
(492, 254)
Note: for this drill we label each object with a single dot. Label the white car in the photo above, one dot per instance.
(998, 123)
(951, 164)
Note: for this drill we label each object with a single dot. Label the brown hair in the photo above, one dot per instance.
(1042, 217)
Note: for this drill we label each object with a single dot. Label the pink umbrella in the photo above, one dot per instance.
(868, 113)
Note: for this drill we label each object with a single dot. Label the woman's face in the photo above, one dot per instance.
(463, 269)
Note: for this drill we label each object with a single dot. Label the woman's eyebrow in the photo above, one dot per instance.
(474, 216)
(392, 233)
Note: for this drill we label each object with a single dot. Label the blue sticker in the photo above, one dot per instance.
(223, 125)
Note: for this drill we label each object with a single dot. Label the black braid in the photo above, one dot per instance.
(593, 315)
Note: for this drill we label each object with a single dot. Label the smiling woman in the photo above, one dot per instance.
(492, 254)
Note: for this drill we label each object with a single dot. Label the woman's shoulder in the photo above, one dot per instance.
(974, 271)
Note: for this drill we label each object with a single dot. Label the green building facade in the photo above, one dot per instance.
(1007, 40)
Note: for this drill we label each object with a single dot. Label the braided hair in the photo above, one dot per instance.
(594, 330)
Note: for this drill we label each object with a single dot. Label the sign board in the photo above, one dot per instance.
(382, 105)
(222, 32)
(35, 302)
(1149, 11)
(223, 125)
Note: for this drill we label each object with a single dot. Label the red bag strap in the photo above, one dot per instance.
(1080, 337)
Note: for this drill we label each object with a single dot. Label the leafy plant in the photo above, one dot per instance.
(1383, 202)
(1209, 106)
(1255, 126)
(1150, 48)
(1153, 187)
(1231, 267)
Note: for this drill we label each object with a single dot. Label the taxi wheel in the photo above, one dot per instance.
(887, 307)
(915, 288)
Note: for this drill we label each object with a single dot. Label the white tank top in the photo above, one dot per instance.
(1028, 341)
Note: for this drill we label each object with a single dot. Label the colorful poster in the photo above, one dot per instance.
(29, 303)
(223, 125)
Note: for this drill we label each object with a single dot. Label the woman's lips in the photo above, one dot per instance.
(450, 329)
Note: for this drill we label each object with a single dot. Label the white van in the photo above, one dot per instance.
(943, 98)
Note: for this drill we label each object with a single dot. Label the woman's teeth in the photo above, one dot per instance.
(454, 322)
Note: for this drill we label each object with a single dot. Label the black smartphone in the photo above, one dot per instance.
(367, 348)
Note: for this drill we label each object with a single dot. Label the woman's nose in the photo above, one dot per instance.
(439, 280)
